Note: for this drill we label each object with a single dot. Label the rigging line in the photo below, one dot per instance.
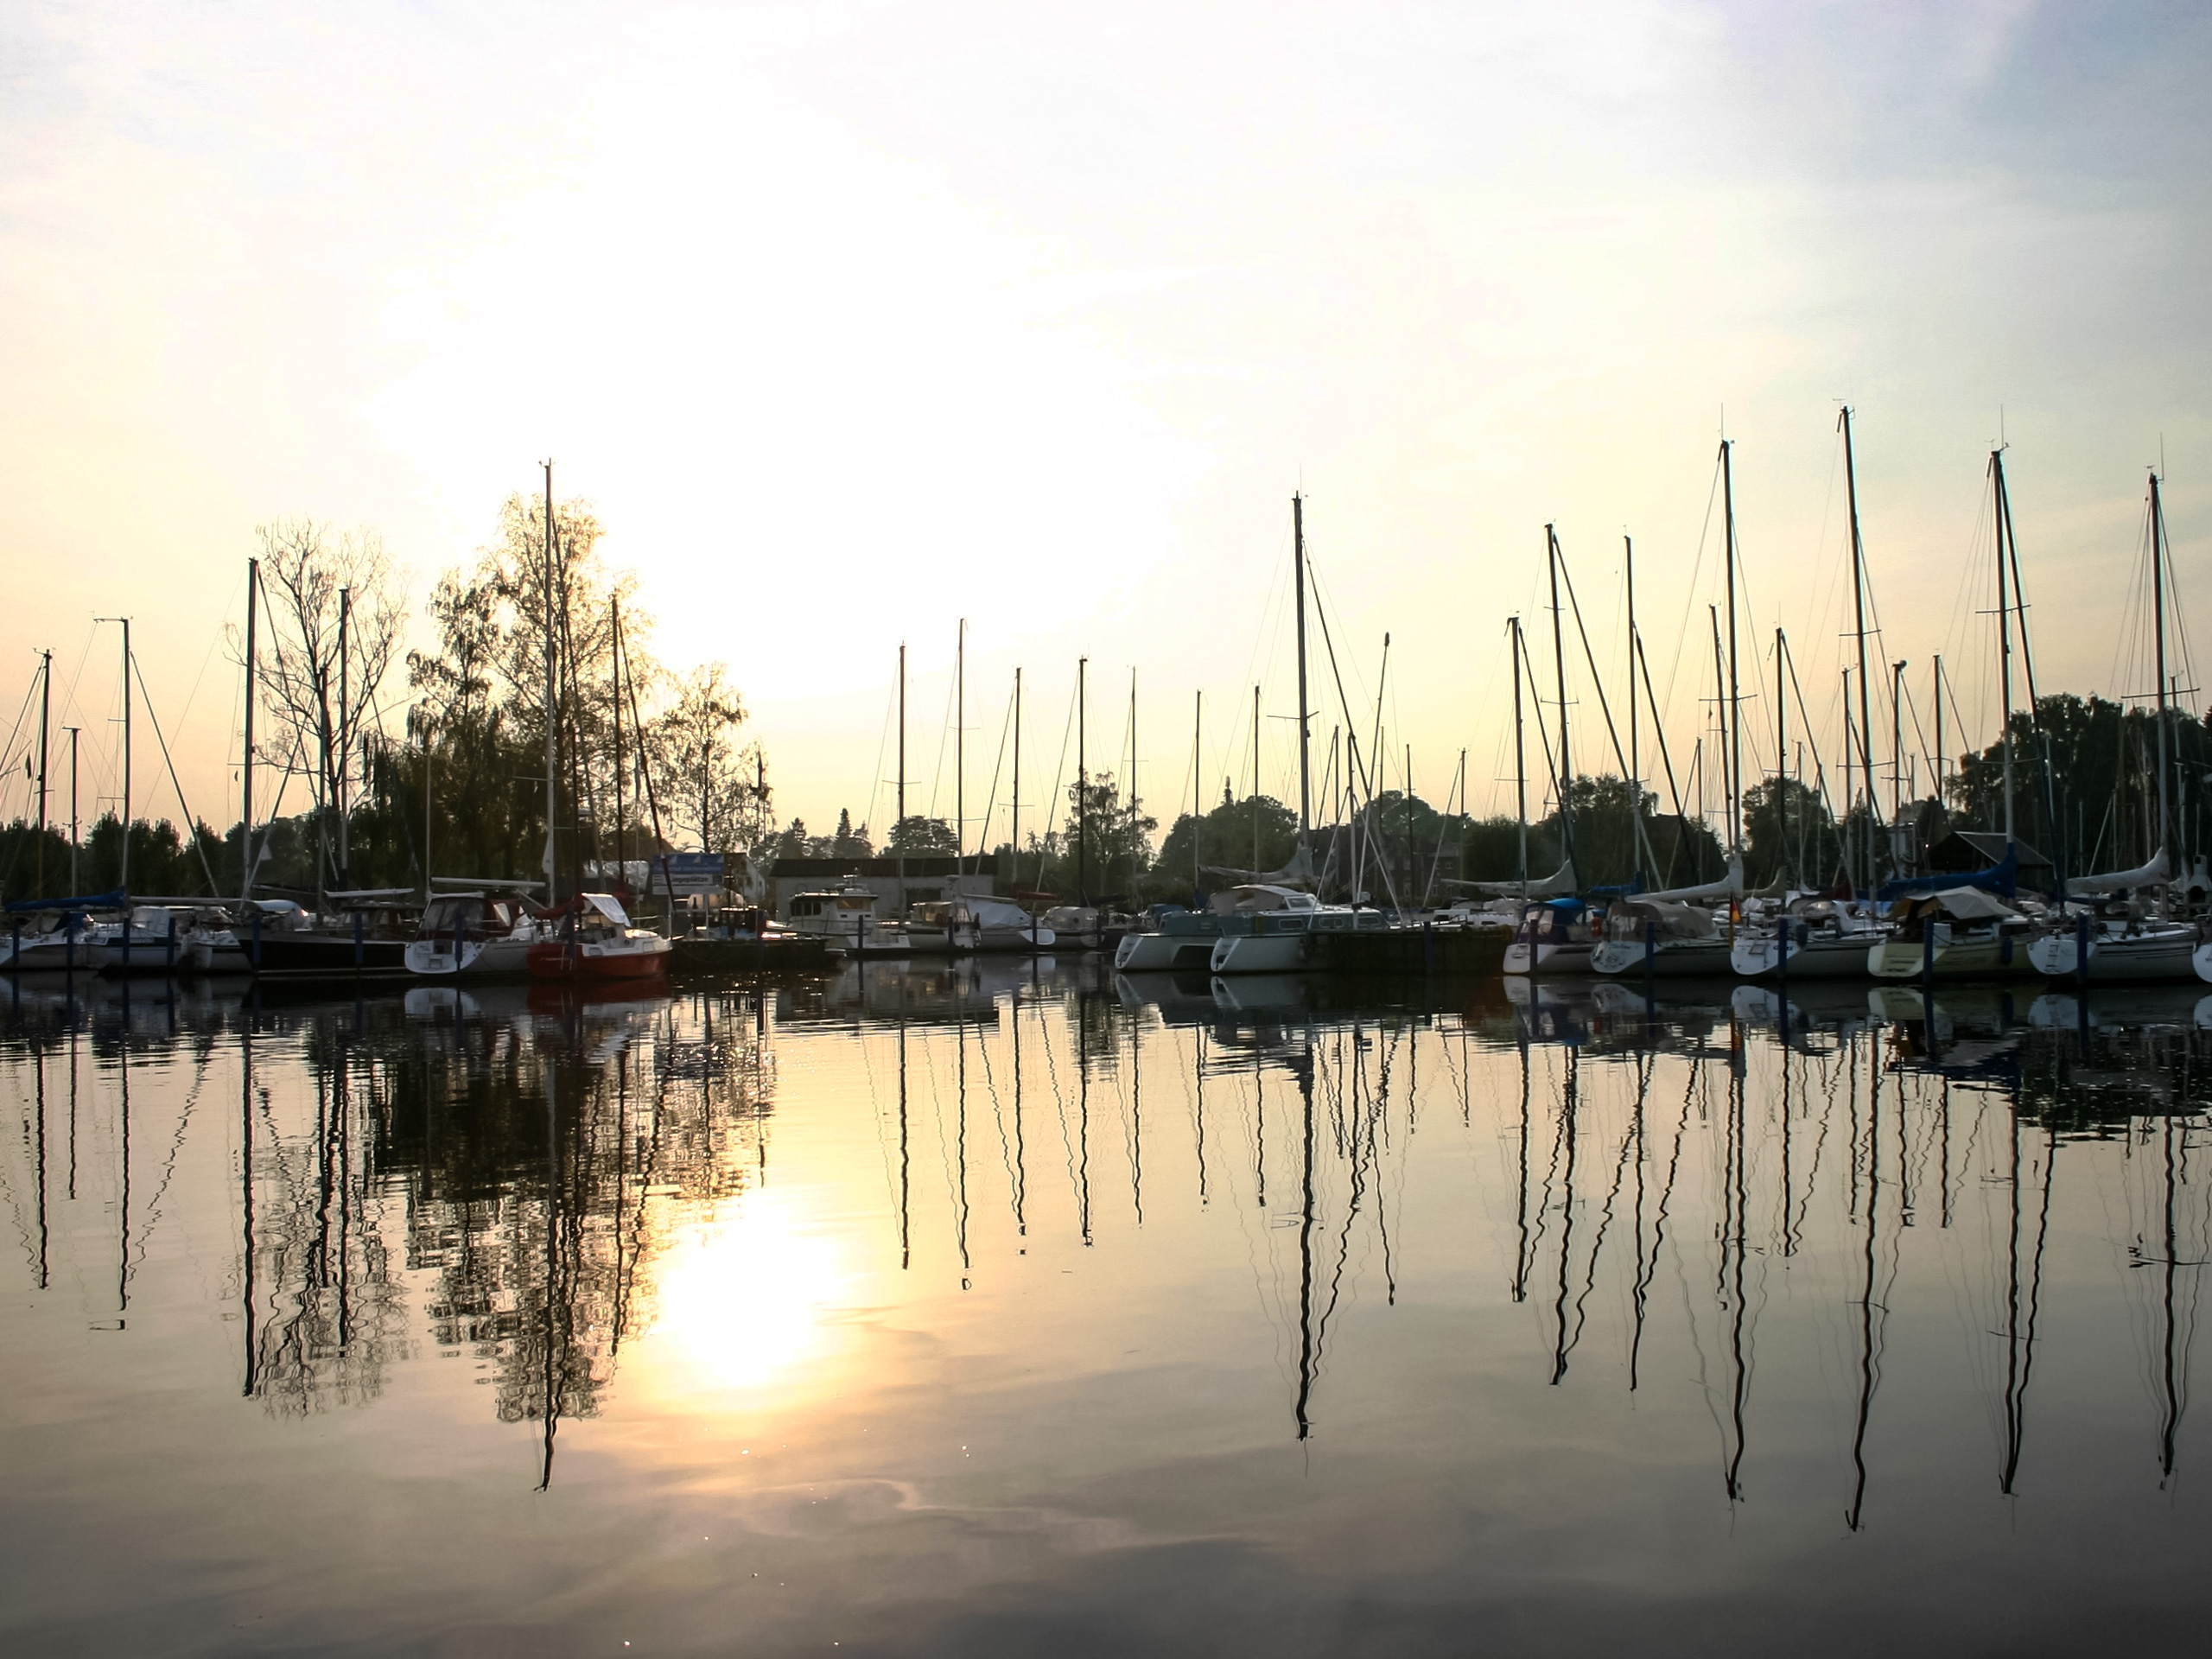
(882, 742)
(1050, 802)
(1805, 719)
(1543, 737)
(1689, 603)
(1596, 680)
(191, 824)
(1658, 731)
(1329, 643)
(991, 800)
(937, 773)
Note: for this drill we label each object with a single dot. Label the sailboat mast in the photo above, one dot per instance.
(1304, 747)
(245, 771)
(622, 867)
(1897, 741)
(1129, 801)
(1939, 728)
(1014, 829)
(898, 822)
(1858, 611)
(1997, 505)
(1843, 830)
(126, 755)
(1255, 778)
(44, 715)
(1727, 726)
(73, 731)
(1197, 801)
(1082, 790)
(1559, 665)
(552, 731)
(1635, 763)
(959, 751)
(1520, 759)
(1735, 703)
(1781, 752)
(2158, 614)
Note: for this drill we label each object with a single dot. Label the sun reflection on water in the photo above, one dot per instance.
(743, 1293)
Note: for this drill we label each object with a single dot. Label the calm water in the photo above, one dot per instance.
(1021, 1311)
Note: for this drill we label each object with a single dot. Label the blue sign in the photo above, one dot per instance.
(689, 872)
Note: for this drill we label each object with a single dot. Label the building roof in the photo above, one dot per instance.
(1975, 849)
(912, 867)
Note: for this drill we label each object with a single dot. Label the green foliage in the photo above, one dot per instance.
(162, 860)
(917, 837)
(2085, 782)
(1226, 839)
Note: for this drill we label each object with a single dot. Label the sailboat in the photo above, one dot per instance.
(1671, 932)
(1554, 934)
(2115, 926)
(1274, 919)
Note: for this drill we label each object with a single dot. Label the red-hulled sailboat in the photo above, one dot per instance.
(591, 938)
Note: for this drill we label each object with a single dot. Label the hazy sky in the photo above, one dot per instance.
(854, 320)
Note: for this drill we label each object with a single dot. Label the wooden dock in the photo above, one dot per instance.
(1457, 952)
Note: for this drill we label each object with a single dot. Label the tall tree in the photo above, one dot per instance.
(333, 626)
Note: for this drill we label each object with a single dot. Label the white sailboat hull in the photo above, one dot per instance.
(2167, 953)
(1836, 957)
(1546, 957)
(1669, 959)
(1259, 953)
(479, 958)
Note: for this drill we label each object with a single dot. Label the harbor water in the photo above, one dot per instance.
(1009, 1307)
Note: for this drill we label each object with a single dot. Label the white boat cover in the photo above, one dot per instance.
(2156, 873)
(1560, 884)
(1673, 921)
(1300, 869)
(608, 906)
(1730, 885)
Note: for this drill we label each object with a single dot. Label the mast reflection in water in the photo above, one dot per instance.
(1048, 1274)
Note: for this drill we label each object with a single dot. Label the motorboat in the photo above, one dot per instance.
(1812, 937)
(473, 936)
(591, 938)
(846, 918)
(964, 927)
(1954, 933)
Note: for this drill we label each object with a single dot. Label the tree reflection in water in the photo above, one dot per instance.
(530, 1155)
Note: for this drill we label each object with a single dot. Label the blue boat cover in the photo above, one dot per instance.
(2002, 878)
(117, 900)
